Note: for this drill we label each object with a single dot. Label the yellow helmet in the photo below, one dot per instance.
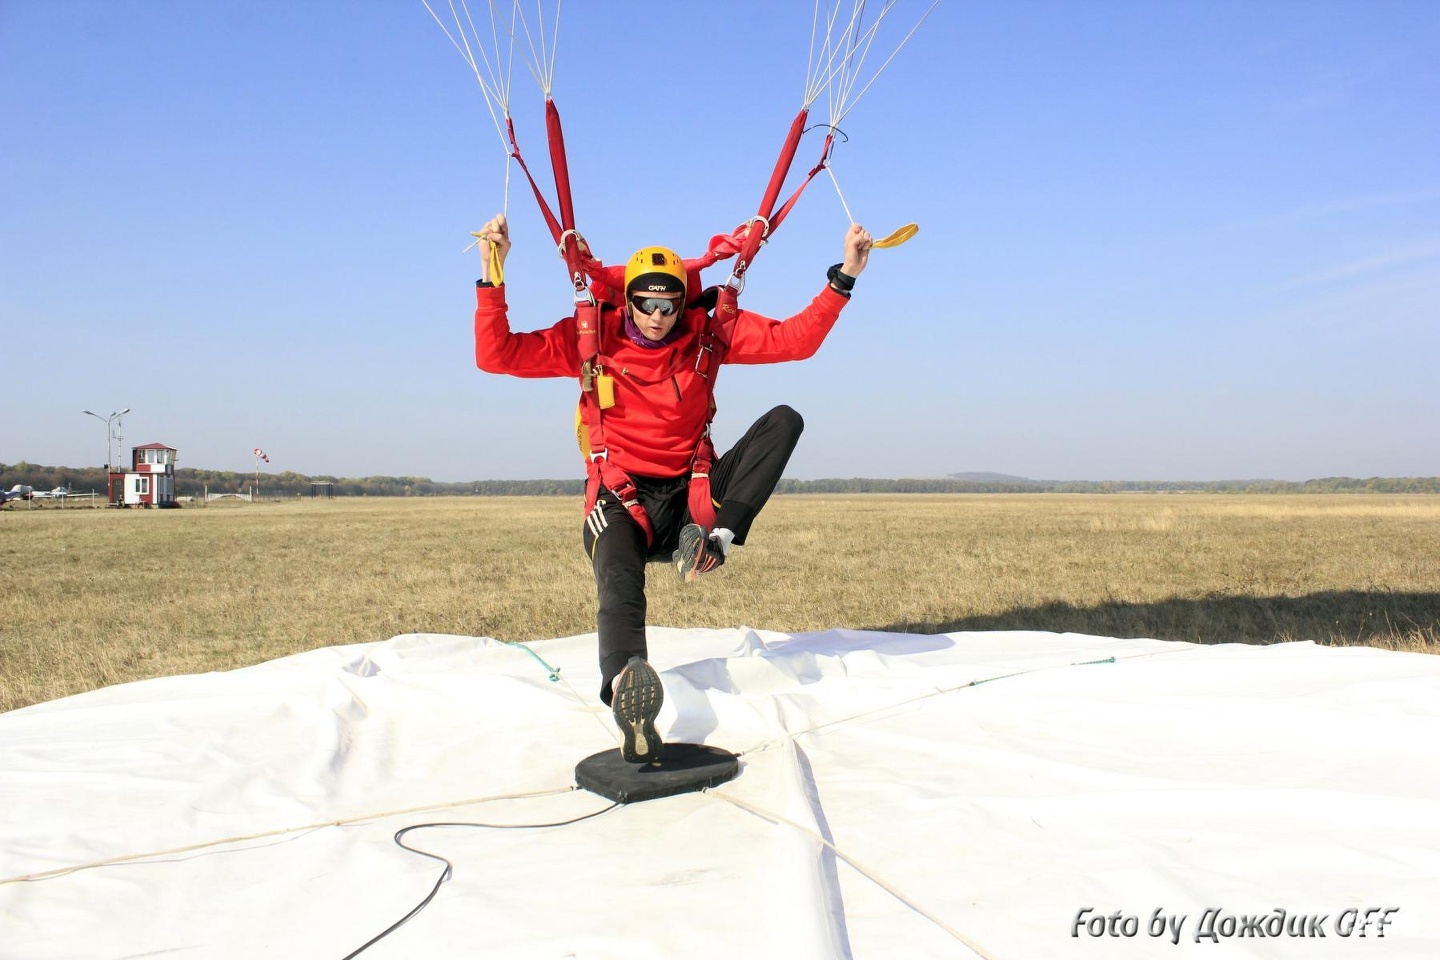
(655, 270)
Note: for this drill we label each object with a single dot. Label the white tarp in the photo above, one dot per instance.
(900, 796)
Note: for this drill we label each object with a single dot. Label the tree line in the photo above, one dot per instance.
(195, 482)
(950, 485)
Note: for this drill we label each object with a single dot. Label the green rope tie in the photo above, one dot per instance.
(554, 672)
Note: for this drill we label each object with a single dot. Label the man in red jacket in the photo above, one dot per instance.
(655, 405)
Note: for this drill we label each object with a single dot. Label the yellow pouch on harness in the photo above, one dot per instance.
(605, 394)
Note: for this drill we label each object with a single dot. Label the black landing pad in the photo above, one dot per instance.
(683, 768)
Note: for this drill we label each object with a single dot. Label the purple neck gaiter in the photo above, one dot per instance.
(640, 340)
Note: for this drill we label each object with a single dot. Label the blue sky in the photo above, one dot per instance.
(1159, 240)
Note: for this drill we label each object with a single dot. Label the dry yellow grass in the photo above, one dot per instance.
(95, 597)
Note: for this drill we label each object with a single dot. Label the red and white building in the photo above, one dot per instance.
(150, 481)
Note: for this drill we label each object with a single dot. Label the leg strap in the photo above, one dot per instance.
(699, 501)
(603, 473)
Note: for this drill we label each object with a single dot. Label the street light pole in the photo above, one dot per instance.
(120, 433)
(109, 436)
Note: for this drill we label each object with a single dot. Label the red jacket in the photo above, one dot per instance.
(660, 401)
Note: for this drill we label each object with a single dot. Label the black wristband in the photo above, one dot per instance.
(840, 280)
(483, 284)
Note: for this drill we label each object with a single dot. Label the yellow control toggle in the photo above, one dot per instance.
(898, 237)
(496, 271)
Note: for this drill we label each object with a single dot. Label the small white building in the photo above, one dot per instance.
(150, 481)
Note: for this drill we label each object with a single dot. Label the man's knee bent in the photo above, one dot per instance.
(787, 419)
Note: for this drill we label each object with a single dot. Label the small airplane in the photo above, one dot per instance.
(17, 492)
(59, 493)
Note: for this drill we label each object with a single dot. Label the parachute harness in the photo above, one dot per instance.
(839, 46)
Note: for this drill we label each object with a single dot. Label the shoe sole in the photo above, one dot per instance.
(636, 705)
(687, 558)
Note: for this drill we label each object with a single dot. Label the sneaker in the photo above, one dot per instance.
(638, 696)
(698, 553)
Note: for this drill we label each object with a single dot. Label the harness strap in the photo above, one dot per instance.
(550, 221)
(599, 470)
(777, 178)
(784, 211)
(559, 164)
(713, 341)
(753, 237)
(716, 340)
(579, 262)
(587, 329)
(699, 499)
(572, 247)
(602, 472)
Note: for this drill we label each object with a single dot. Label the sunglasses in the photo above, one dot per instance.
(649, 305)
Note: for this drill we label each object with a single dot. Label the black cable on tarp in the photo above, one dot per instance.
(449, 868)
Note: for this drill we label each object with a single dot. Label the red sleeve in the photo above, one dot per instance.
(544, 353)
(760, 339)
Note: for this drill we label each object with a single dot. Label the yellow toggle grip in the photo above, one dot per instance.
(898, 237)
(497, 269)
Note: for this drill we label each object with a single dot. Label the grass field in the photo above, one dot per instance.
(95, 597)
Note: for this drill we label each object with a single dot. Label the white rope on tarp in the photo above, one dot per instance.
(856, 865)
(282, 831)
(864, 871)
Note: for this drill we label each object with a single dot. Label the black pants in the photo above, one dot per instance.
(741, 481)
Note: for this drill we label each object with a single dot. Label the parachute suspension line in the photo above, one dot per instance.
(839, 65)
(494, 82)
(817, 70)
(509, 58)
(849, 216)
(850, 63)
(856, 99)
(847, 68)
(541, 60)
(496, 79)
(509, 81)
(831, 64)
(495, 92)
(540, 47)
(859, 43)
(554, 44)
